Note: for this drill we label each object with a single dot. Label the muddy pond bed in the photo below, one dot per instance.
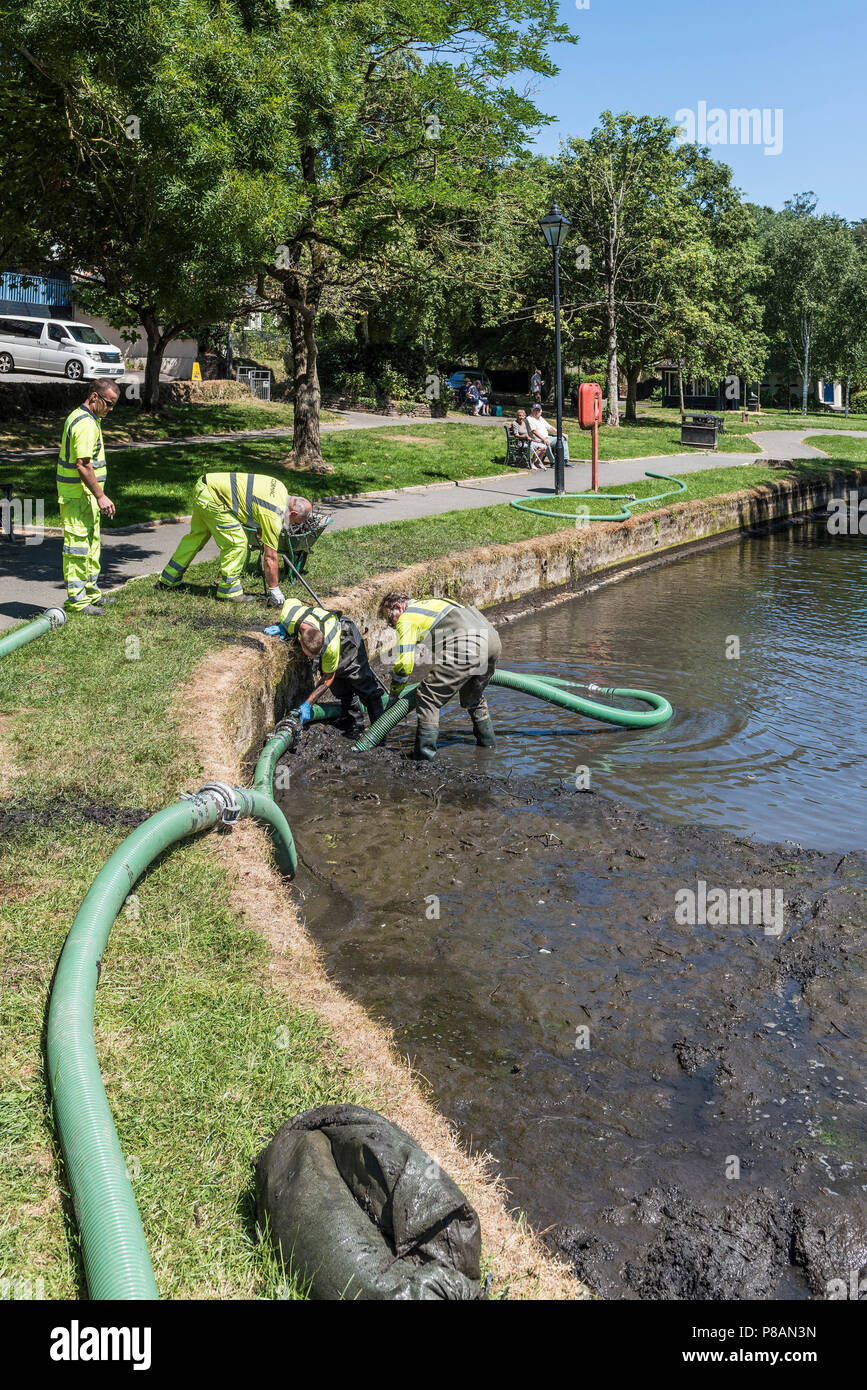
(674, 1095)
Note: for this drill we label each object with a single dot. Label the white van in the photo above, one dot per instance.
(73, 350)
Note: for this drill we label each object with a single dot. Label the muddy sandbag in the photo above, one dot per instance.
(354, 1205)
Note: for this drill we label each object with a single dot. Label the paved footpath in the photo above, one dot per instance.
(30, 575)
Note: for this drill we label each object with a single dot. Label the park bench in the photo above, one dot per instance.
(517, 450)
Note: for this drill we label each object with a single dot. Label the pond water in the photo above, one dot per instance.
(761, 647)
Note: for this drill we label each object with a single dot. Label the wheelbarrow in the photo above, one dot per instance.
(293, 548)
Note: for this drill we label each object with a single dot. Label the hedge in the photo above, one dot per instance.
(34, 398)
(203, 392)
(19, 398)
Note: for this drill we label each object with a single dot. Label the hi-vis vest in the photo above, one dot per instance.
(295, 613)
(256, 499)
(82, 439)
(414, 624)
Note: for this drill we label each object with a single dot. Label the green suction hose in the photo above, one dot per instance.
(28, 632)
(115, 1253)
(387, 721)
(280, 741)
(549, 688)
(523, 503)
(553, 691)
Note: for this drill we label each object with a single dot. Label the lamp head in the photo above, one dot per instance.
(555, 227)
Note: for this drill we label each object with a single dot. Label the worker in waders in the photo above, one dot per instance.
(336, 645)
(451, 649)
(223, 505)
(81, 473)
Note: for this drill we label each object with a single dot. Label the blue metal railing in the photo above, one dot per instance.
(20, 288)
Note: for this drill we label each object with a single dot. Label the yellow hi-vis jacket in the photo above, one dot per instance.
(295, 613)
(413, 625)
(82, 439)
(256, 499)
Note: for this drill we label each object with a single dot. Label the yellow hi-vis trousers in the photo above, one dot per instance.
(211, 518)
(81, 549)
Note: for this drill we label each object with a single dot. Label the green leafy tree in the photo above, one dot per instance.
(34, 159)
(618, 186)
(808, 258)
(664, 253)
(842, 347)
(164, 186)
(398, 116)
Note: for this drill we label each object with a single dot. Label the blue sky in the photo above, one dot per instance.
(808, 60)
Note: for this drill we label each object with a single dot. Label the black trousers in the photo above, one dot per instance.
(355, 684)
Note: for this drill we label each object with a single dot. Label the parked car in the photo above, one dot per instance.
(73, 350)
(459, 376)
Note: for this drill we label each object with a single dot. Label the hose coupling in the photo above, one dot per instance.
(290, 725)
(56, 616)
(225, 795)
(599, 689)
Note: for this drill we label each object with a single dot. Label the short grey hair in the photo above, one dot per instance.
(101, 384)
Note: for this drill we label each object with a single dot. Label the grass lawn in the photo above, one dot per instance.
(153, 483)
(201, 1056)
(842, 449)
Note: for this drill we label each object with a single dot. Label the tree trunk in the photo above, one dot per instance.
(302, 295)
(632, 375)
(548, 374)
(306, 441)
(848, 384)
(156, 348)
(680, 386)
(613, 413)
(806, 382)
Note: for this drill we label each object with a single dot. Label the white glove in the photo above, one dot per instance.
(275, 598)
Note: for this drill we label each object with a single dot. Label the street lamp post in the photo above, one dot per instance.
(555, 228)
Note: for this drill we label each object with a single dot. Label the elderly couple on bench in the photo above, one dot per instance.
(530, 440)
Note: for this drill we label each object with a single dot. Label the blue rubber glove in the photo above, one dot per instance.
(305, 713)
(276, 630)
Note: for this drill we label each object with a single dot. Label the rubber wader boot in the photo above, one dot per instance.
(350, 726)
(376, 709)
(426, 736)
(483, 728)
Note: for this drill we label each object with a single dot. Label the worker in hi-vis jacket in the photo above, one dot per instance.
(226, 506)
(451, 649)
